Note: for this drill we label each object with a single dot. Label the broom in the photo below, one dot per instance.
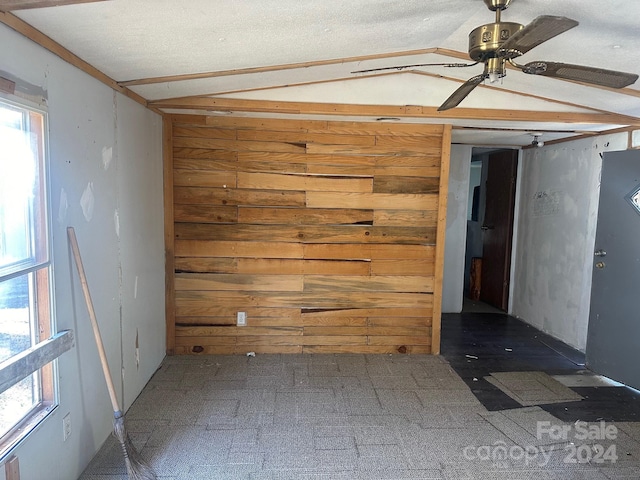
(137, 469)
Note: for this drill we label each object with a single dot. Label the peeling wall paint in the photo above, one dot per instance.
(87, 202)
(137, 346)
(63, 207)
(107, 156)
(116, 222)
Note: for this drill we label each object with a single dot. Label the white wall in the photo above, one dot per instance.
(141, 242)
(557, 225)
(456, 235)
(108, 148)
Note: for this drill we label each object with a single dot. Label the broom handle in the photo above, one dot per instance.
(92, 314)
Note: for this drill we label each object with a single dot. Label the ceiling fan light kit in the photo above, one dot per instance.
(495, 44)
(497, 5)
(536, 142)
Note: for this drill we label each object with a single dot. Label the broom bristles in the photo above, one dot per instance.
(137, 468)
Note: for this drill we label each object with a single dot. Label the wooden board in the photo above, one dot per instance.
(328, 235)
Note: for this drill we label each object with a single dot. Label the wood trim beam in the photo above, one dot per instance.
(302, 84)
(516, 92)
(288, 66)
(440, 239)
(404, 72)
(54, 47)
(7, 86)
(292, 66)
(8, 5)
(169, 237)
(20, 366)
(415, 111)
(586, 135)
(12, 468)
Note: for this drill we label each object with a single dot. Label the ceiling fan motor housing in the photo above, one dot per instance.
(485, 40)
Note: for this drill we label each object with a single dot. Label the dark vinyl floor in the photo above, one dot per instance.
(477, 344)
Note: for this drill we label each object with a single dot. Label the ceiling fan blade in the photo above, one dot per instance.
(462, 92)
(580, 73)
(540, 30)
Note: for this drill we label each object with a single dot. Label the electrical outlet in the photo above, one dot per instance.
(66, 426)
(242, 319)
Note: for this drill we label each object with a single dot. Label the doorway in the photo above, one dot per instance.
(492, 189)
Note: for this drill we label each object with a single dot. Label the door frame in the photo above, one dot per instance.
(456, 272)
(516, 218)
(516, 230)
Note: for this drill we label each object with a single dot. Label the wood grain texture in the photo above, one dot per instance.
(441, 228)
(324, 233)
(337, 300)
(273, 266)
(12, 468)
(307, 233)
(304, 216)
(376, 201)
(170, 292)
(190, 195)
(212, 248)
(269, 181)
(315, 108)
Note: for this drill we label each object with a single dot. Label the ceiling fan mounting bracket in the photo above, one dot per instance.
(485, 41)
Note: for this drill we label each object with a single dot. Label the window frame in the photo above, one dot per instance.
(40, 269)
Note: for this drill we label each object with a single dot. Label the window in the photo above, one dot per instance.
(26, 313)
(634, 198)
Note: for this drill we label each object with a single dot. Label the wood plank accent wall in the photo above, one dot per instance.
(325, 233)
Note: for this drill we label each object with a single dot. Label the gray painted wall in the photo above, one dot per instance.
(557, 224)
(454, 251)
(554, 234)
(105, 155)
(474, 246)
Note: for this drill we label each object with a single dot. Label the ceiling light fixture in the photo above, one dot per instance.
(536, 142)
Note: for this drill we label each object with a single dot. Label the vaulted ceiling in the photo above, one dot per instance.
(296, 58)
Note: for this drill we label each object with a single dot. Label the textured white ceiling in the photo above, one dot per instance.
(141, 39)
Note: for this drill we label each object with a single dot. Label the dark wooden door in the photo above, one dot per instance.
(614, 318)
(498, 227)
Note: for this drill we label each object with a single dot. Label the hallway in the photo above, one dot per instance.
(386, 416)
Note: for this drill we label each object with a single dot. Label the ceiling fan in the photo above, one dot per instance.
(496, 44)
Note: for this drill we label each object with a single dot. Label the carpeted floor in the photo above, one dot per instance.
(387, 417)
(372, 417)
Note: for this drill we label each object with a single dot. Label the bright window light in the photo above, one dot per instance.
(26, 315)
